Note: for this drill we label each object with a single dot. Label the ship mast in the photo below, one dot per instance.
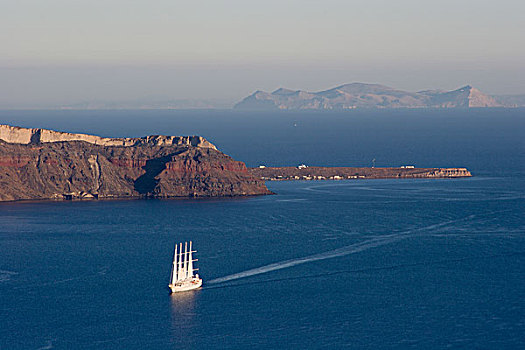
(179, 273)
(173, 277)
(185, 273)
(190, 266)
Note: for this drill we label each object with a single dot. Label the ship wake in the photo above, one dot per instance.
(343, 251)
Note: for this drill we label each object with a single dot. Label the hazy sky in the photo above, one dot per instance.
(69, 51)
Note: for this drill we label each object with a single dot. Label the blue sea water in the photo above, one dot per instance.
(365, 264)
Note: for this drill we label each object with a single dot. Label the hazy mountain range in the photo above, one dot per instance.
(348, 96)
(360, 95)
(153, 103)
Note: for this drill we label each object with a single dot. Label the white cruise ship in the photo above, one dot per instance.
(182, 271)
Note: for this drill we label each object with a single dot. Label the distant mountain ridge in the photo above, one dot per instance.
(361, 95)
(511, 100)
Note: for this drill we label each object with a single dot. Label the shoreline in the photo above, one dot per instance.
(131, 198)
(354, 173)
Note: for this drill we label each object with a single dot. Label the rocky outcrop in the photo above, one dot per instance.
(154, 166)
(447, 172)
(359, 95)
(13, 134)
(465, 97)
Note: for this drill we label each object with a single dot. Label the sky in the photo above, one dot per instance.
(63, 52)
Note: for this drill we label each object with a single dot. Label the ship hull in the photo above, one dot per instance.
(185, 286)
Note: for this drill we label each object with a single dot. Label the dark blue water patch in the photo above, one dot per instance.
(323, 264)
(487, 141)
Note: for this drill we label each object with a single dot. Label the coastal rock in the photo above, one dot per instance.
(465, 97)
(13, 134)
(66, 166)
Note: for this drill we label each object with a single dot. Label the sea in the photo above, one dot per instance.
(357, 264)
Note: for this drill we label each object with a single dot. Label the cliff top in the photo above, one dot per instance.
(15, 134)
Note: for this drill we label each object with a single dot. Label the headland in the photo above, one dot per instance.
(303, 172)
(37, 164)
(47, 164)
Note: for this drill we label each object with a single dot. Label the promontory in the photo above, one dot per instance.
(46, 164)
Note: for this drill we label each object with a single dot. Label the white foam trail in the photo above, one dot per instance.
(293, 262)
(346, 250)
(6, 275)
(48, 346)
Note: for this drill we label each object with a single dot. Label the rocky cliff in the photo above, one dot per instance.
(13, 134)
(45, 164)
(360, 95)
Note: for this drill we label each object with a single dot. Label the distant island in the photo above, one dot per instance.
(344, 97)
(47, 164)
(360, 95)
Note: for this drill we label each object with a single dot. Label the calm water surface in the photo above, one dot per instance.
(359, 264)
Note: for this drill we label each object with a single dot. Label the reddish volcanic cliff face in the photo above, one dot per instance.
(83, 169)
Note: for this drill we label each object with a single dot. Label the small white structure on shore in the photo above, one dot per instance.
(407, 167)
(302, 166)
(262, 166)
